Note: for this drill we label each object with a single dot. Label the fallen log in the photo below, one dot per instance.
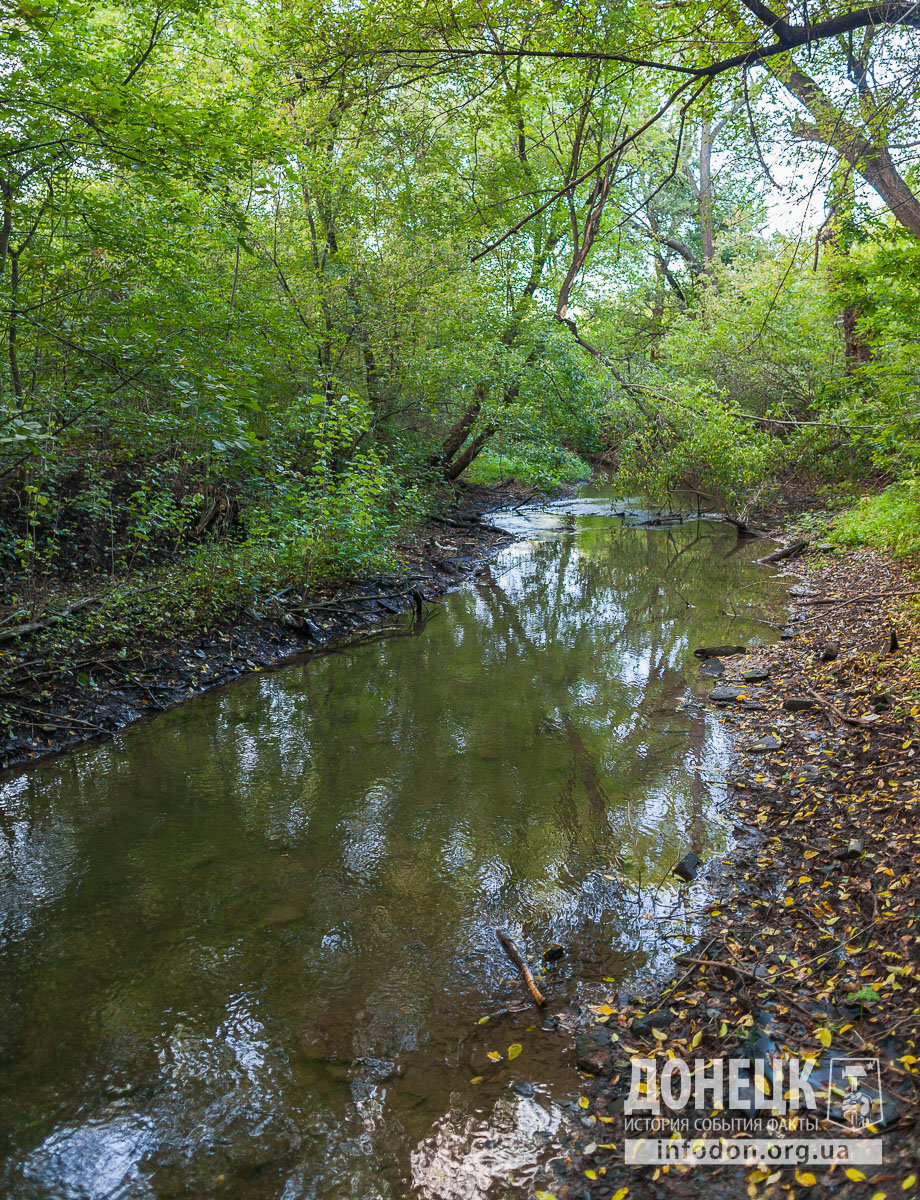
(515, 955)
(789, 551)
(35, 626)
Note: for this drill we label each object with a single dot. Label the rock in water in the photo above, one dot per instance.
(688, 866)
(713, 668)
(719, 651)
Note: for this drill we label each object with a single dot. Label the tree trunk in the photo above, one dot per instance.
(871, 159)
(460, 430)
(858, 352)
(15, 378)
(455, 469)
(704, 198)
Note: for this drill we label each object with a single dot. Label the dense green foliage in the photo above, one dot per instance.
(267, 296)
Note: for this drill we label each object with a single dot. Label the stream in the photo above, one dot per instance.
(247, 947)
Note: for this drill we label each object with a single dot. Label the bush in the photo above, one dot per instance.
(887, 521)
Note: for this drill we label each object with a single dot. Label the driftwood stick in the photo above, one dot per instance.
(784, 552)
(514, 954)
(859, 722)
(34, 626)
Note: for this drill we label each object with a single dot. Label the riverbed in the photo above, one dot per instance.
(248, 947)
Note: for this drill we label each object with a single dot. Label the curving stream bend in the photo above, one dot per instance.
(247, 948)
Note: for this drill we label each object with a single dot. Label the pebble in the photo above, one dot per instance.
(765, 743)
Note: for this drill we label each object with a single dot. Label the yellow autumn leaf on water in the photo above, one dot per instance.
(514, 1050)
(476, 1079)
(824, 1036)
(620, 1194)
(805, 1178)
(879, 1196)
(908, 1182)
(583, 1102)
(545, 1195)
(856, 1176)
(696, 1039)
(483, 1021)
(591, 1174)
(494, 1056)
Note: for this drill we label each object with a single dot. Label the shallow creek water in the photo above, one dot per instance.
(247, 948)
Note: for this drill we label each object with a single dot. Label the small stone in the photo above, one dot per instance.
(806, 774)
(798, 704)
(757, 675)
(553, 953)
(643, 1026)
(854, 849)
(829, 651)
(688, 866)
(764, 744)
(725, 694)
(825, 547)
(800, 590)
(712, 667)
(524, 1089)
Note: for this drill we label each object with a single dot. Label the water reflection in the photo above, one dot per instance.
(246, 945)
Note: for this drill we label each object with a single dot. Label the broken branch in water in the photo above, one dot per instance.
(526, 974)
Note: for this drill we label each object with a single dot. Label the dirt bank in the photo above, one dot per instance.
(52, 699)
(812, 946)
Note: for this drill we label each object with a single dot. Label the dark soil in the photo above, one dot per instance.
(48, 704)
(812, 946)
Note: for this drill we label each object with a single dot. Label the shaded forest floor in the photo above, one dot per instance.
(812, 946)
(70, 680)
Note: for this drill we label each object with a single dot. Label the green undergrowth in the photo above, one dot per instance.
(888, 520)
(540, 465)
(356, 534)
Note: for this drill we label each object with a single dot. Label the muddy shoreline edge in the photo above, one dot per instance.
(97, 696)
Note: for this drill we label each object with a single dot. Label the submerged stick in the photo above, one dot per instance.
(526, 974)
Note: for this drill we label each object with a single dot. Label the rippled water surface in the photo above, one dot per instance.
(247, 948)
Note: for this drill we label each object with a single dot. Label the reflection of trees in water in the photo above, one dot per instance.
(334, 843)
